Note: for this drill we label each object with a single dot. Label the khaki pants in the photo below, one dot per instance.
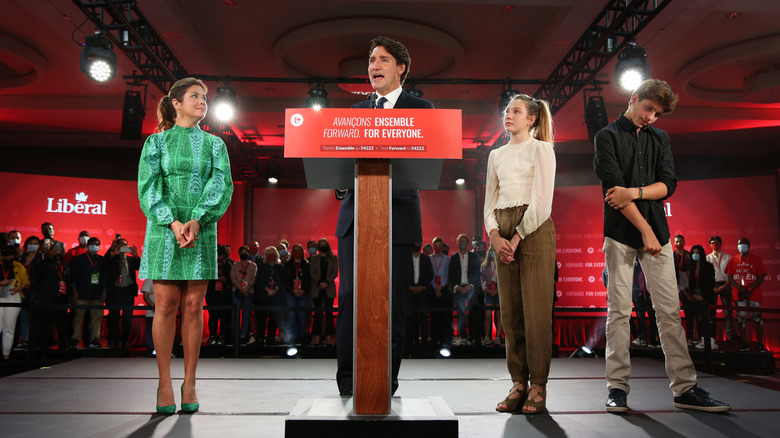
(662, 286)
(95, 315)
(526, 288)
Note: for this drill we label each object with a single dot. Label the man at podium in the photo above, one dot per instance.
(388, 66)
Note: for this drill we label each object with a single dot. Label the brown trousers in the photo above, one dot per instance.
(526, 288)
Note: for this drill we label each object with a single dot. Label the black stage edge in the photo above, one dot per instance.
(409, 417)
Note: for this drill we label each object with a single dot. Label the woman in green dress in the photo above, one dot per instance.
(184, 187)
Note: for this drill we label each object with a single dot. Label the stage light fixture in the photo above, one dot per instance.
(414, 91)
(632, 67)
(291, 352)
(445, 352)
(583, 351)
(318, 98)
(226, 103)
(98, 61)
(460, 174)
(506, 96)
(273, 173)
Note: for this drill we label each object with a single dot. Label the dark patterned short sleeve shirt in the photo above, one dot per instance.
(628, 157)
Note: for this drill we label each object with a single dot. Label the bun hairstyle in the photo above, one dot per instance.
(542, 128)
(166, 113)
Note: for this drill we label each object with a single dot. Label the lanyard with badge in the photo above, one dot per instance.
(95, 277)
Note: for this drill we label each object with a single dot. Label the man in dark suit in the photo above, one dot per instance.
(417, 297)
(465, 278)
(388, 66)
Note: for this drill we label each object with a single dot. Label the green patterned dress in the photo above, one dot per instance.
(184, 174)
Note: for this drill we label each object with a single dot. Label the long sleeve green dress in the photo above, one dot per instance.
(183, 174)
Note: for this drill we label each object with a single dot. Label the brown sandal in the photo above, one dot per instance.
(541, 406)
(511, 404)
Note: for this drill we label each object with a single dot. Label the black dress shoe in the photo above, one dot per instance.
(616, 403)
(347, 393)
(700, 400)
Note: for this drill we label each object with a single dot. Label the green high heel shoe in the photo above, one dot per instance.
(188, 407)
(165, 410)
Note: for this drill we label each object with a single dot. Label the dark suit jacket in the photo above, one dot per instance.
(426, 272)
(407, 228)
(473, 269)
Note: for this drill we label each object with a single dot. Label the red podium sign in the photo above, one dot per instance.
(372, 133)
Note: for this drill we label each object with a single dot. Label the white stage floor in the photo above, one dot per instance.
(103, 397)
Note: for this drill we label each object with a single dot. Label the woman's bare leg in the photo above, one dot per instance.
(167, 295)
(192, 334)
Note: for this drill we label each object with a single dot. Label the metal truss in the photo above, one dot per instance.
(128, 30)
(617, 25)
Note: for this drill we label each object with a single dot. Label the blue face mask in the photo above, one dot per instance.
(312, 250)
(32, 247)
(93, 248)
(283, 253)
(696, 257)
(743, 248)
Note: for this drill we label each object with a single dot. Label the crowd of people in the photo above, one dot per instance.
(295, 290)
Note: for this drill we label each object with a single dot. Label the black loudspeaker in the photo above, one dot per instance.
(595, 116)
(132, 116)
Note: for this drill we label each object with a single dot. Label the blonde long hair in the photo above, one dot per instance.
(542, 128)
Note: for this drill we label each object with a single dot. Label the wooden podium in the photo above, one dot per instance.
(373, 160)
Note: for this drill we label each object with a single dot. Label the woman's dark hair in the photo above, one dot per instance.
(30, 239)
(243, 248)
(701, 251)
(166, 113)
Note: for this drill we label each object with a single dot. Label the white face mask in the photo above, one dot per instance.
(93, 248)
(32, 247)
(743, 248)
(15, 242)
(83, 240)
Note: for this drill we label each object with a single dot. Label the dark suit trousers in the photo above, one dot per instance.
(403, 272)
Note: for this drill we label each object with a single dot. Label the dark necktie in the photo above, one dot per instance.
(381, 102)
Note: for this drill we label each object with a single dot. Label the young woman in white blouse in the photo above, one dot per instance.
(518, 203)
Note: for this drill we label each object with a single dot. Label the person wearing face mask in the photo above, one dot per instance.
(283, 246)
(427, 249)
(464, 274)
(13, 279)
(15, 240)
(720, 261)
(701, 277)
(311, 249)
(49, 243)
(269, 293)
(324, 268)
(243, 274)
(746, 273)
(89, 289)
(297, 284)
(78, 250)
(32, 259)
(492, 311)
